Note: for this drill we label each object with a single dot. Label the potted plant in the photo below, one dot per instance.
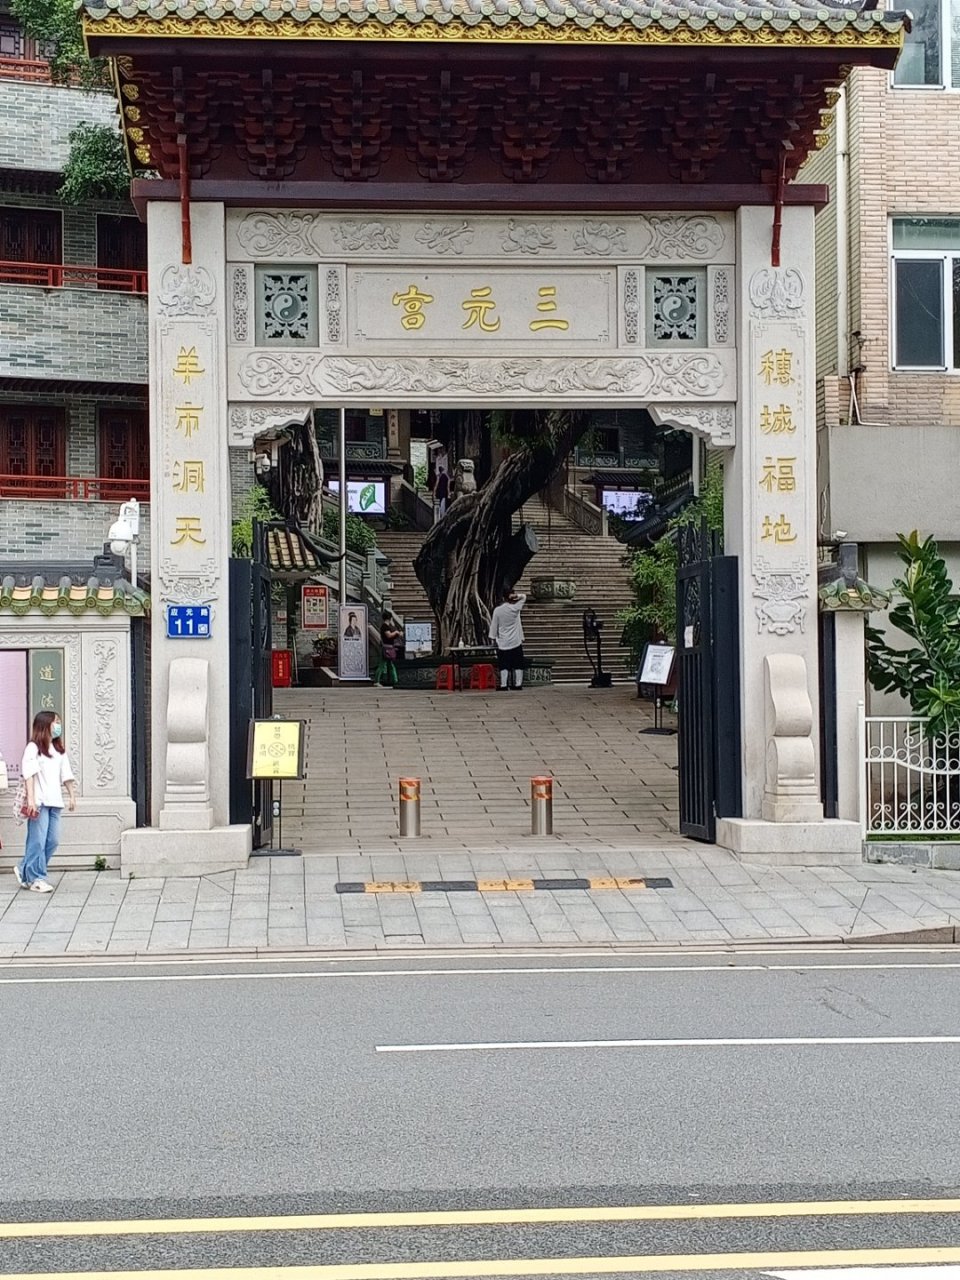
(324, 651)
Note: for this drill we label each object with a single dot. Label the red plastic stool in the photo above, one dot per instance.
(483, 676)
(446, 677)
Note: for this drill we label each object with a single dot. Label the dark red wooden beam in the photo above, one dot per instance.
(488, 197)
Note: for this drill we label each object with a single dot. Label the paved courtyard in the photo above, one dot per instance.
(475, 753)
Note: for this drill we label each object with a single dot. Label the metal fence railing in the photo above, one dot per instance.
(910, 782)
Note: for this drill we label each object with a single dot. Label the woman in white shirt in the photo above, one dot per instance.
(45, 770)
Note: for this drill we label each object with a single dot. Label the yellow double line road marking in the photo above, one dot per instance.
(477, 1218)
(513, 1267)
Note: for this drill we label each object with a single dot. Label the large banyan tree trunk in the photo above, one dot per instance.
(470, 557)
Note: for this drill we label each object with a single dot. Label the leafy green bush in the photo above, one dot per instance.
(96, 168)
(653, 570)
(360, 536)
(254, 505)
(55, 25)
(928, 674)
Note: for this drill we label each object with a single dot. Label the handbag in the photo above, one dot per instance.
(20, 813)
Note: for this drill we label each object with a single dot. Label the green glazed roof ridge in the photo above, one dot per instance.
(698, 15)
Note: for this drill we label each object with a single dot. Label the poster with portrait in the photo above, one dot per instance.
(352, 642)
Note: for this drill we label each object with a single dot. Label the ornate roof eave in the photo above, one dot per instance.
(870, 32)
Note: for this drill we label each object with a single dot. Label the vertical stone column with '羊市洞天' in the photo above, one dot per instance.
(771, 526)
(190, 548)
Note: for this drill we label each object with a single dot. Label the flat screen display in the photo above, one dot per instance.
(364, 497)
(629, 504)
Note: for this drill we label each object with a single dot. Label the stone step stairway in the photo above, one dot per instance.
(553, 629)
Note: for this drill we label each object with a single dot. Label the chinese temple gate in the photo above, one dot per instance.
(483, 203)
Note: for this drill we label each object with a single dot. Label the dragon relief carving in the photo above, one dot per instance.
(450, 238)
(694, 374)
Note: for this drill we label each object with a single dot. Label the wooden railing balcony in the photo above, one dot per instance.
(35, 70)
(73, 488)
(63, 275)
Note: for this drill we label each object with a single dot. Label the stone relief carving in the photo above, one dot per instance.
(69, 642)
(334, 306)
(354, 237)
(247, 423)
(178, 587)
(791, 793)
(776, 293)
(631, 307)
(784, 597)
(681, 237)
(185, 291)
(287, 306)
(306, 236)
(241, 306)
(669, 374)
(600, 239)
(675, 311)
(186, 794)
(449, 238)
(721, 305)
(527, 237)
(280, 234)
(105, 705)
(715, 422)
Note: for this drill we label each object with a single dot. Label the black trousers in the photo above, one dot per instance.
(511, 661)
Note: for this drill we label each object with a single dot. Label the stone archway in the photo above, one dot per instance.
(682, 313)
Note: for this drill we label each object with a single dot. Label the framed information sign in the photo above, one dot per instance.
(275, 749)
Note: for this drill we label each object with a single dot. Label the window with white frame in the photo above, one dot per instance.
(931, 49)
(926, 293)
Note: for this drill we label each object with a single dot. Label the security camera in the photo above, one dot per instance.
(840, 535)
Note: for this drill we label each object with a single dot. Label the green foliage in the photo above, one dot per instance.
(397, 518)
(927, 674)
(653, 570)
(420, 474)
(55, 25)
(96, 168)
(254, 505)
(361, 537)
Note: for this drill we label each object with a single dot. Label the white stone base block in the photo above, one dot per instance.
(93, 831)
(149, 851)
(829, 843)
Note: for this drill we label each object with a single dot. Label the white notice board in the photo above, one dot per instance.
(657, 664)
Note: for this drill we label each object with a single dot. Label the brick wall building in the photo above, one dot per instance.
(888, 289)
(73, 316)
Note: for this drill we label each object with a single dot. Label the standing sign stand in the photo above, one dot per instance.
(275, 751)
(655, 670)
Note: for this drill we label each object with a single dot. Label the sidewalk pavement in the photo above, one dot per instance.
(284, 904)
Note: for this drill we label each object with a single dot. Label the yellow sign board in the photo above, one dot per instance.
(275, 749)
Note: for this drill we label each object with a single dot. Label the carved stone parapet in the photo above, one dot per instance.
(186, 794)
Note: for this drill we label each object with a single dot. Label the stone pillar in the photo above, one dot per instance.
(190, 547)
(851, 682)
(770, 519)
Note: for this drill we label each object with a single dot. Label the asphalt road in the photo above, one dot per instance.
(816, 1090)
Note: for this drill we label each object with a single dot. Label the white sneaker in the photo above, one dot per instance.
(40, 886)
(19, 874)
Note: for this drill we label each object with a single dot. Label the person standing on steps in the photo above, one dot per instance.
(506, 632)
(45, 770)
(390, 637)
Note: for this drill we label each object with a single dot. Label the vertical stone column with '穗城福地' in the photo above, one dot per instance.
(771, 526)
(190, 548)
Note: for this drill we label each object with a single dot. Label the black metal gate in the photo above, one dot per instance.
(251, 683)
(708, 683)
